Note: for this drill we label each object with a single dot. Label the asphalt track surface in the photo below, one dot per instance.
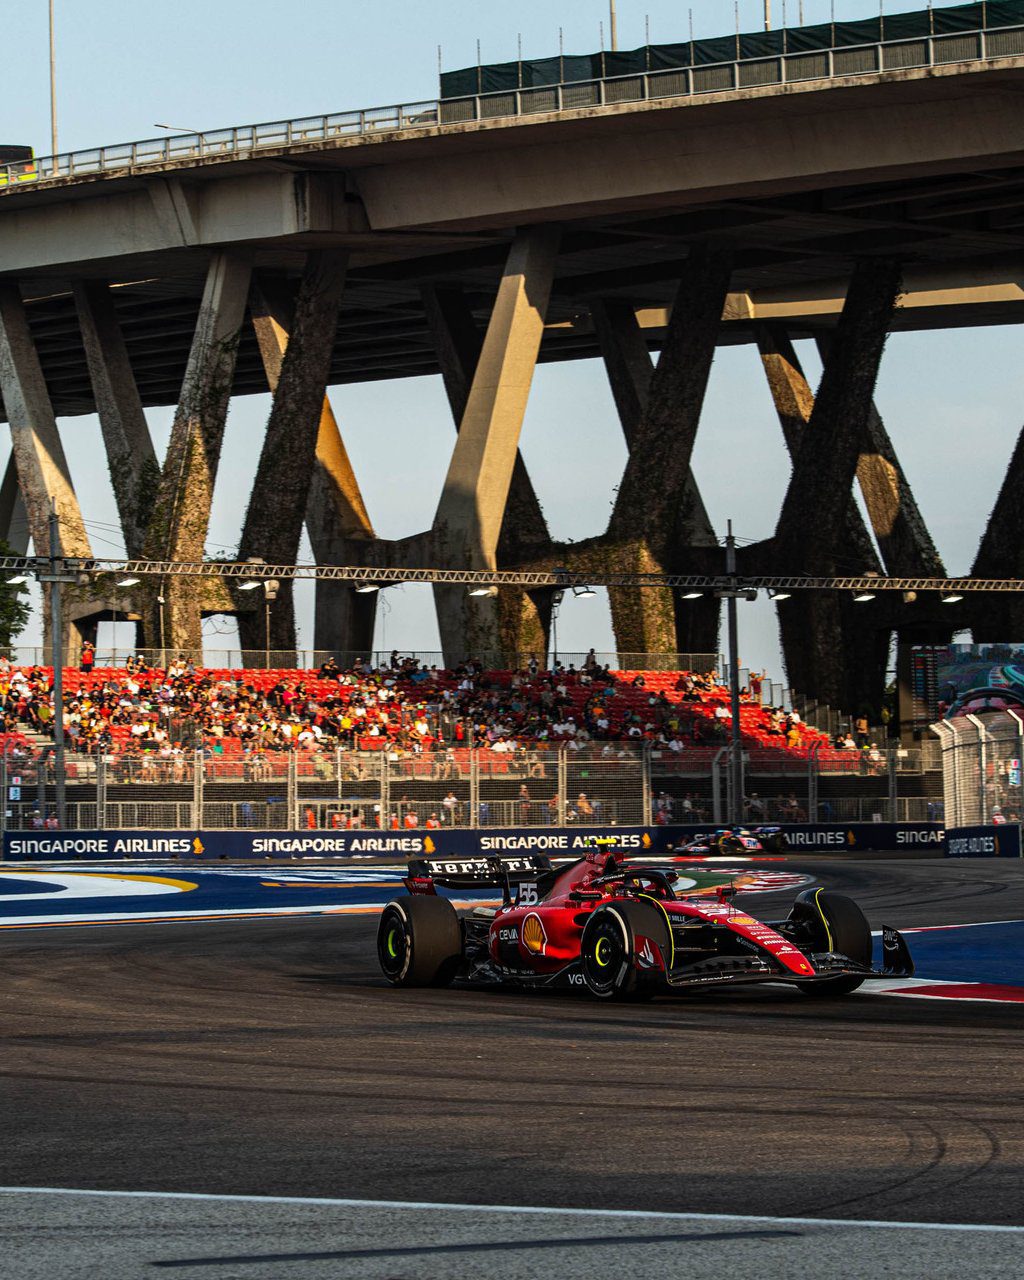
(267, 1058)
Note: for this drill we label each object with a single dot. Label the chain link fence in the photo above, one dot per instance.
(981, 768)
(542, 785)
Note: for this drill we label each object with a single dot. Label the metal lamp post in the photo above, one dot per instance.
(731, 592)
(55, 574)
(53, 91)
(271, 586)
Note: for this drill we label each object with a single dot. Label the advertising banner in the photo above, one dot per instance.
(207, 846)
(1001, 841)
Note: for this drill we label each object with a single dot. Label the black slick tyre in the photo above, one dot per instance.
(835, 923)
(419, 942)
(608, 950)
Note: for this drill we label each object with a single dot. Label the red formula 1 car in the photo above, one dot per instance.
(619, 931)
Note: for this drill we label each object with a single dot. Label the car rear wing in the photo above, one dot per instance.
(478, 873)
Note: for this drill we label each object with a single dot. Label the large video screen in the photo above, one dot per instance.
(957, 679)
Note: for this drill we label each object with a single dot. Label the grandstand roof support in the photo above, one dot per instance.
(996, 619)
(471, 511)
(836, 649)
(181, 515)
(523, 619)
(296, 354)
(131, 458)
(658, 514)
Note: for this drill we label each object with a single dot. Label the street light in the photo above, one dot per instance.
(862, 597)
(584, 593)
(483, 591)
(952, 598)
(692, 595)
(53, 92)
(271, 586)
(127, 582)
(250, 586)
(367, 588)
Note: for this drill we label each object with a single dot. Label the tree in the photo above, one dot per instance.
(14, 609)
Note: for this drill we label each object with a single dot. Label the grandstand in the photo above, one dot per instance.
(409, 746)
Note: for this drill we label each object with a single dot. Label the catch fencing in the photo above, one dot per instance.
(543, 785)
(981, 769)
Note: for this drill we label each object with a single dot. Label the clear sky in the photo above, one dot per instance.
(950, 400)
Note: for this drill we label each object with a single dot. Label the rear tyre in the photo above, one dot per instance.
(608, 950)
(419, 942)
(835, 923)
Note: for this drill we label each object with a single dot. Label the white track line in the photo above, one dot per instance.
(434, 1206)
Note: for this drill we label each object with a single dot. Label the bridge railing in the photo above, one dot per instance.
(887, 56)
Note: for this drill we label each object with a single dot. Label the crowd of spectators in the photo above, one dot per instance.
(401, 706)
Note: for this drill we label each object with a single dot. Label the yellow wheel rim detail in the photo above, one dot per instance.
(392, 944)
(602, 953)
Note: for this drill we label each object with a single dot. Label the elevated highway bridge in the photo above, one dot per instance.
(474, 243)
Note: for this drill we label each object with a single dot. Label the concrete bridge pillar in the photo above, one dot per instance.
(181, 514)
(630, 374)
(131, 458)
(13, 516)
(468, 523)
(658, 512)
(336, 515)
(298, 364)
(998, 618)
(39, 459)
(834, 649)
(523, 618)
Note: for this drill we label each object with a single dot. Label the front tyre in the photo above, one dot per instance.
(608, 950)
(835, 923)
(419, 942)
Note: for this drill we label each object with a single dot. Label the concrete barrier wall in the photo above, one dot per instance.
(1000, 841)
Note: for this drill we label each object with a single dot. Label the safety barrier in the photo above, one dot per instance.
(881, 58)
(556, 842)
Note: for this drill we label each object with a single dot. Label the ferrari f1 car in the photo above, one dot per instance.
(619, 931)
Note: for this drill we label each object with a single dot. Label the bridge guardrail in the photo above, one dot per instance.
(683, 82)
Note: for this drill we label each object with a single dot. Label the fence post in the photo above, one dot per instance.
(648, 800)
(716, 785)
(293, 791)
(385, 790)
(101, 790)
(982, 768)
(812, 783)
(893, 787)
(1020, 763)
(337, 771)
(474, 788)
(198, 775)
(563, 782)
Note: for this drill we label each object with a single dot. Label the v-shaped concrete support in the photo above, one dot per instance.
(467, 526)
